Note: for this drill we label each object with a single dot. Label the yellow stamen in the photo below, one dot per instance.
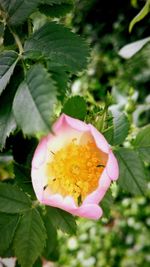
(75, 170)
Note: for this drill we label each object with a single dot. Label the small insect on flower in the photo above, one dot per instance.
(73, 167)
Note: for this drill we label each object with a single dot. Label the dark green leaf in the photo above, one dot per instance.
(132, 176)
(8, 225)
(145, 10)
(30, 238)
(7, 120)
(8, 60)
(51, 242)
(75, 107)
(57, 2)
(107, 203)
(2, 27)
(18, 10)
(23, 178)
(55, 10)
(142, 143)
(117, 133)
(34, 101)
(62, 220)
(61, 78)
(12, 199)
(60, 46)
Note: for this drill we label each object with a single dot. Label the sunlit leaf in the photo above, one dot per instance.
(145, 10)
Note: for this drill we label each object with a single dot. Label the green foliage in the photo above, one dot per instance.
(8, 224)
(12, 199)
(62, 220)
(145, 10)
(8, 61)
(7, 120)
(132, 176)
(17, 12)
(30, 238)
(56, 8)
(118, 131)
(51, 248)
(107, 203)
(35, 98)
(142, 143)
(75, 107)
(59, 46)
(23, 179)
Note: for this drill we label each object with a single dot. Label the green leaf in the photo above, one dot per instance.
(7, 120)
(62, 220)
(61, 79)
(130, 50)
(132, 176)
(18, 10)
(8, 225)
(59, 46)
(23, 178)
(57, 2)
(34, 101)
(12, 199)
(107, 203)
(142, 143)
(51, 243)
(58, 10)
(30, 238)
(75, 107)
(117, 133)
(8, 61)
(145, 10)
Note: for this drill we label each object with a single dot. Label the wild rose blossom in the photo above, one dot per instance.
(73, 167)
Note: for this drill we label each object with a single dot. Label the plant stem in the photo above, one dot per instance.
(18, 41)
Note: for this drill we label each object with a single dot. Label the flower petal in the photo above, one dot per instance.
(40, 153)
(99, 139)
(112, 167)
(96, 196)
(65, 120)
(90, 211)
(38, 182)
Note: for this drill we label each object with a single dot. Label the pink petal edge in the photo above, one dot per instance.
(40, 153)
(91, 211)
(112, 166)
(73, 123)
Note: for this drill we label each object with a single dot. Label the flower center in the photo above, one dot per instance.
(75, 170)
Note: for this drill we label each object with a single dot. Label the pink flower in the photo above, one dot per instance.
(73, 167)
